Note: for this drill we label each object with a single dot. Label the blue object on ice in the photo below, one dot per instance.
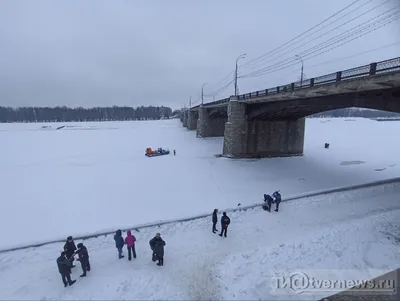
(162, 153)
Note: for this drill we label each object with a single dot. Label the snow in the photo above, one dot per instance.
(96, 176)
(354, 232)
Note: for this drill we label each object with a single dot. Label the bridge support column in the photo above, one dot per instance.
(235, 133)
(209, 126)
(185, 117)
(191, 121)
(281, 138)
(259, 138)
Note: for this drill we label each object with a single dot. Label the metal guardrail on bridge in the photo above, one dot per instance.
(362, 71)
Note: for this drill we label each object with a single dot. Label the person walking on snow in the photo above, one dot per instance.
(215, 221)
(130, 242)
(69, 249)
(157, 246)
(119, 243)
(174, 152)
(278, 199)
(83, 258)
(64, 268)
(225, 221)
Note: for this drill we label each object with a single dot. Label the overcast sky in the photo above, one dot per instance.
(104, 53)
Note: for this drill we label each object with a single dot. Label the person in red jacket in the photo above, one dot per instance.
(130, 242)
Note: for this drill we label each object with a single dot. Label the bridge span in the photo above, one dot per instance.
(271, 122)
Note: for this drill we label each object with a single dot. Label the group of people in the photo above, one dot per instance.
(269, 201)
(225, 221)
(157, 244)
(65, 262)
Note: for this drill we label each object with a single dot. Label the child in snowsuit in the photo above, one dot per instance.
(130, 242)
(69, 249)
(83, 258)
(157, 246)
(119, 243)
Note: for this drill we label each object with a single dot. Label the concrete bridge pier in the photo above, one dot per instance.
(185, 118)
(235, 134)
(191, 120)
(259, 138)
(209, 126)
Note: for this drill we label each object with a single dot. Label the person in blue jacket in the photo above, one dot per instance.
(278, 199)
(119, 243)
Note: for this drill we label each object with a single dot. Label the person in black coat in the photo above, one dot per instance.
(69, 249)
(119, 243)
(157, 246)
(225, 221)
(214, 221)
(64, 268)
(83, 258)
(278, 199)
(268, 199)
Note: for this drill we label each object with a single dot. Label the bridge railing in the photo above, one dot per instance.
(217, 102)
(386, 66)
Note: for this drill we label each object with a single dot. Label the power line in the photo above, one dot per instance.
(339, 37)
(285, 67)
(344, 58)
(222, 82)
(343, 36)
(221, 89)
(226, 81)
(226, 84)
(354, 55)
(279, 47)
(318, 54)
(312, 33)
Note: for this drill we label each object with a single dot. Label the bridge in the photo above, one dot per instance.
(271, 122)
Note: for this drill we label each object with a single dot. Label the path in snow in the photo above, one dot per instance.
(338, 231)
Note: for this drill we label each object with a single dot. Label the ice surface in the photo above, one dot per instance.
(356, 230)
(92, 177)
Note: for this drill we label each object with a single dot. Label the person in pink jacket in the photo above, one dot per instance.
(130, 242)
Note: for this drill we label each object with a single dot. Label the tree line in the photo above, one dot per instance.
(355, 112)
(66, 114)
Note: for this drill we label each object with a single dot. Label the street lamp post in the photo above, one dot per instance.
(242, 56)
(302, 68)
(202, 92)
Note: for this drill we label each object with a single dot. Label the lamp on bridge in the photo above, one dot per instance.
(302, 68)
(202, 92)
(242, 56)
